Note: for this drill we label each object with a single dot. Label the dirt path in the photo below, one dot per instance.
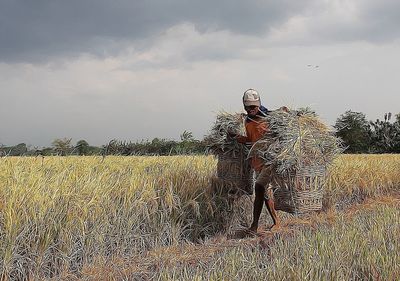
(154, 260)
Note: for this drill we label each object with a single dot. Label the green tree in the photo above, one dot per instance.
(189, 144)
(386, 135)
(94, 150)
(354, 129)
(20, 149)
(62, 146)
(47, 151)
(82, 147)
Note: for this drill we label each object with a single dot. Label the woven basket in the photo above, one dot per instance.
(236, 172)
(300, 191)
(298, 202)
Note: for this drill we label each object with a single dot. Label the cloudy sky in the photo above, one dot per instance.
(138, 69)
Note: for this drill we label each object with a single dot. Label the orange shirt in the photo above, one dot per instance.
(255, 129)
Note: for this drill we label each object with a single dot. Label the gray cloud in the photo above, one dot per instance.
(137, 69)
(382, 19)
(39, 31)
(35, 30)
(371, 21)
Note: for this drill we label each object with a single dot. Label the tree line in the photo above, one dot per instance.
(357, 133)
(157, 146)
(362, 136)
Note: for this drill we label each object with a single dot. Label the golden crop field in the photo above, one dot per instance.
(62, 216)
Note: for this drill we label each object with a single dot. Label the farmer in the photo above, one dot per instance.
(256, 127)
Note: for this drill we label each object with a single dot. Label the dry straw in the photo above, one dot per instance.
(218, 142)
(234, 175)
(297, 142)
(300, 147)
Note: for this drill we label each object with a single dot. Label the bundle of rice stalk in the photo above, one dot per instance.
(300, 147)
(297, 142)
(233, 169)
(218, 142)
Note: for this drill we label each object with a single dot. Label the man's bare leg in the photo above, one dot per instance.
(271, 209)
(257, 207)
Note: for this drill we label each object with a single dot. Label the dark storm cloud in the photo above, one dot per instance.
(36, 30)
(40, 30)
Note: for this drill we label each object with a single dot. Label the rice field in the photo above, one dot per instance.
(365, 247)
(60, 215)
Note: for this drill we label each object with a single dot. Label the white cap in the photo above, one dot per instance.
(251, 97)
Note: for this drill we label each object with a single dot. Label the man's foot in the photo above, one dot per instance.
(252, 230)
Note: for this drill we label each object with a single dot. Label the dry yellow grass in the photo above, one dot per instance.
(61, 213)
(354, 177)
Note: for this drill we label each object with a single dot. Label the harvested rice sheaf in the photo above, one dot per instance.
(233, 169)
(297, 142)
(218, 141)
